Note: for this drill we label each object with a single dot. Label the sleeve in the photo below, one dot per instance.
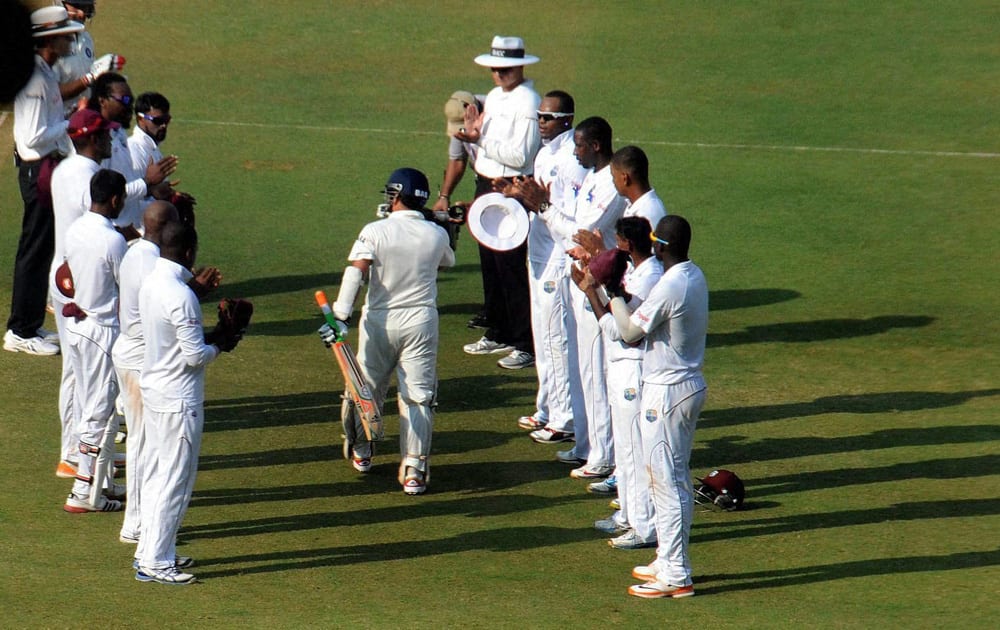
(609, 327)
(519, 148)
(649, 315)
(364, 246)
(191, 334)
(32, 101)
(456, 149)
(447, 255)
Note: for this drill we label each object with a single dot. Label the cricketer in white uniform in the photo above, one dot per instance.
(128, 354)
(398, 330)
(78, 70)
(624, 389)
(598, 207)
(173, 397)
(674, 322)
(94, 251)
(70, 201)
(560, 395)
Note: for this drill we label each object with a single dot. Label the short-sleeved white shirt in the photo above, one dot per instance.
(94, 251)
(135, 185)
(639, 282)
(675, 320)
(70, 201)
(648, 206)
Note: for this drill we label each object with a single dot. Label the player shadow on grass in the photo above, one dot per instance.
(509, 539)
(255, 287)
(728, 299)
(254, 412)
(818, 330)
(953, 468)
(880, 402)
(393, 510)
(795, 576)
(739, 449)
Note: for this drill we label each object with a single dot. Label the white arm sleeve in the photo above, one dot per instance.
(350, 284)
(630, 332)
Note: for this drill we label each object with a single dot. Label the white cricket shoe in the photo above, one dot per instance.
(486, 346)
(33, 345)
(172, 576)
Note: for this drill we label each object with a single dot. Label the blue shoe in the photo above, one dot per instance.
(606, 486)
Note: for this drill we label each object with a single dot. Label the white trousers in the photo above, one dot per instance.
(404, 341)
(593, 434)
(555, 347)
(669, 415)
(135, 454)
(95, 389)
(173, 440)
(70, 440)
(624, 389)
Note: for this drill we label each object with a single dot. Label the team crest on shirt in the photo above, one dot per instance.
(89, 53)
(587, 307)
(631, 394)
(651, 415)
(549, 286)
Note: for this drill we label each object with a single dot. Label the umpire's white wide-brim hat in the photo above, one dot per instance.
(49, 21)
(506, 52)
(497, 222)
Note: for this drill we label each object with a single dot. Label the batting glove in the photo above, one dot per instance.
(330, 335)
(108, 63)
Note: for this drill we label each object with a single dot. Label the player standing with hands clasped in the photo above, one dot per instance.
(399, 257)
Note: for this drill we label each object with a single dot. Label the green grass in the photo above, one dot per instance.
(853, 343)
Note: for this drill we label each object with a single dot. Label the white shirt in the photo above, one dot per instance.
(137, 264)
(39, 124)
(75, 65)
(675, 320)
(143, 149)
(173, 367)
(94, 251)
(135, 185)
(509, 137)
(70, 201)
(639, 282)
(598, 206)
(648, 207)
(556, 167)
(405, 251)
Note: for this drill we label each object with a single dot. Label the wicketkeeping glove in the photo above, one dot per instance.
(234, 315)
(108, 63)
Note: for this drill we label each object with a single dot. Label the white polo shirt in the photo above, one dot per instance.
(137, 264)
(405, 251)
(143, 149)
(94, 251)
(39, 124)
(557, 168)
(649, 206)
(675, 320)
(639, 282)
(135, 185)
(598, 206)
(173, 367)
(509, 137)
(70, 201)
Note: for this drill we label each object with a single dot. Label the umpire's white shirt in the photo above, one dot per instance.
(138, 263)
(173, 367)
(509, 137)
(94, 251)
(405, 251)
(39, 124)
(70, 201)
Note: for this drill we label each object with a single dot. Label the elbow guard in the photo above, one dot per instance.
(350, 284)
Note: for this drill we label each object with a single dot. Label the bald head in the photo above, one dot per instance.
(158, 214)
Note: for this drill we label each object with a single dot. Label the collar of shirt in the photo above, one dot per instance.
(174, 269)
(407, 214)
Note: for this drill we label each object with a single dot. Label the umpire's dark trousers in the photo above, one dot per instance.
(505, 290)
(35, 248)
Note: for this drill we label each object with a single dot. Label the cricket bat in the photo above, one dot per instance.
(357, 388)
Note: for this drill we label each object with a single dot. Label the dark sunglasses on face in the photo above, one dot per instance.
(550, 116)
(125, 99)
(156, 120)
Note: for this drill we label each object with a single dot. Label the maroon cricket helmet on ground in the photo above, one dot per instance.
(722, 488)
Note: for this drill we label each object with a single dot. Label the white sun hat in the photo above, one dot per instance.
(506, 52)
(497, 222)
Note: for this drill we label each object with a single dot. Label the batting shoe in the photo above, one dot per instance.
(605, 486)
(570, 457)
(66, 470)
(630, 540)
(657, 589)
(76, 505)
(487, 346)
(414, 482)
(171, 576)
(546, 435)
(516, 360)
(362, 464)
(588, 471)
(530, 423)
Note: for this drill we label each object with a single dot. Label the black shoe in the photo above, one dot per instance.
(479, 321)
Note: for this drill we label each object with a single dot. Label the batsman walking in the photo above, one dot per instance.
(399, 258)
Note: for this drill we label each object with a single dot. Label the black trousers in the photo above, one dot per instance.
(505, 290)
(34, 249)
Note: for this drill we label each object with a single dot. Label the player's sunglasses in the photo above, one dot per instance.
(550, 116)
(656, 239)
(125, 100)
(156, 120)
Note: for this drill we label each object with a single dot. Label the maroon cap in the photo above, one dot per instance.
(85, 122)
(609, 266)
